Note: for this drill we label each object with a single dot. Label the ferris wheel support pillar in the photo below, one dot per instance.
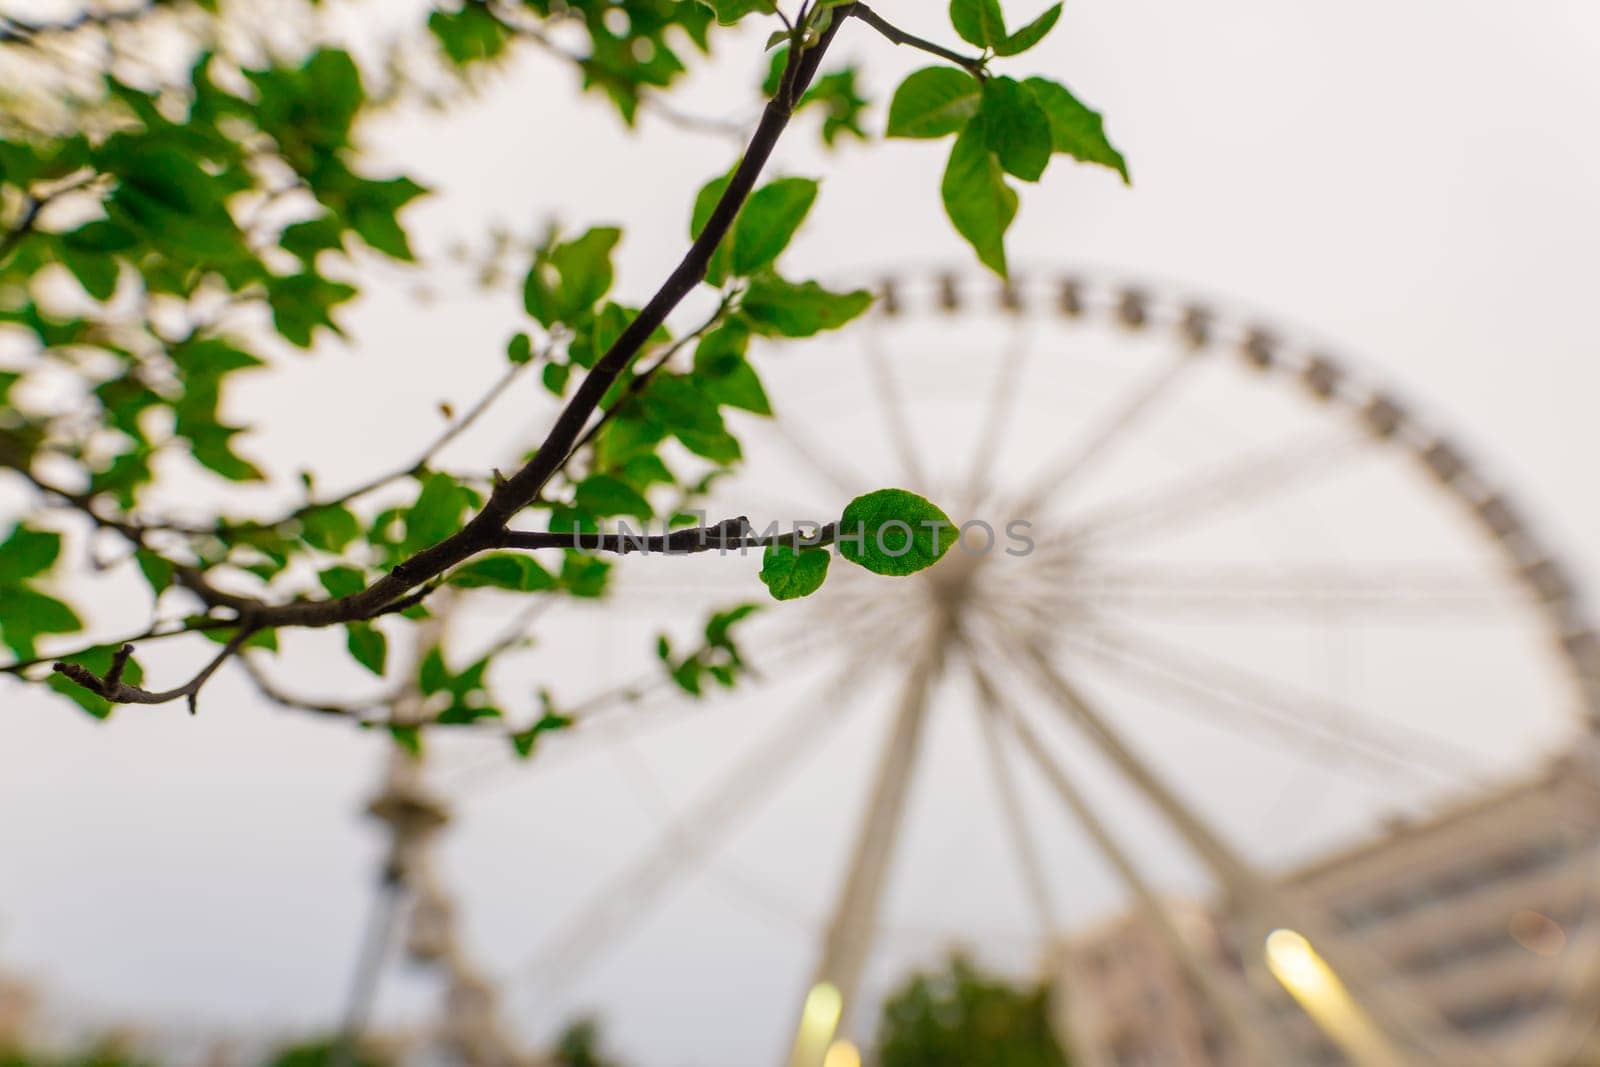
(848, 939)
(1392, 1021)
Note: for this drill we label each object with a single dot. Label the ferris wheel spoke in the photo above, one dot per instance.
(1396, 593)
(1022, 841)
(847, 941)
(1253, 1034)
(654, 799)
(837, 475)
(1117, 424)
(1233, 485)
(891, 405)
(998, 414)
(1399, 1014)
(691, 837)
(632, 710)
(1315, 725)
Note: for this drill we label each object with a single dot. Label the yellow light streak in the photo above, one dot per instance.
(818, 1020)
(1297, 965)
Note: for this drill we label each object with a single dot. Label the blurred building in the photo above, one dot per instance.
(1474, 910)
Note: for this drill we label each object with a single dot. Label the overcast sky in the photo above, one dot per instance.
(1411, 183)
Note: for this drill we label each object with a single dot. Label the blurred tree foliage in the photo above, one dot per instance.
(580, 1046)
(324, 1052)
(187, 199)
(95, 1057)
(960, 1017)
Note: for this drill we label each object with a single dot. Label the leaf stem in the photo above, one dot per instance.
(972, 64)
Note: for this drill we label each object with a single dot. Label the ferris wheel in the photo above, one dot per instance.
(1223, 603)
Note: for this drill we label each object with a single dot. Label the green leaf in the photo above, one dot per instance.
(602, 496)
(645, 471)
(437, 512)
(1029, 35)
(156, 569)
(210, 447)
(583, 575)
(775, 306)
(469, 35)
(303, 302)
(102, 236)
(585, 266)
(729, 12)
(1015, 128)
(978, 22)
(687, 676)
(26, 553)
(525, 740)
(503, 570)
(718, 627)
(342, 581)
(96, 272)
(555, 377)
(724, 374)
(266, 640)
(894, 532)
(789, 573)
(462, 712)
(572, 277)
(842, 105)
(29, 613)
(739, 387)
(519, 349)
(723, 347)
(933, 102)
(768, 221)
(306, 239)
(1075, 129)
(432, 675)
(976, 197)
(408, 738)
(166, 194)
(329, 528)
(678, 403)
(371, 207)
(367, 645)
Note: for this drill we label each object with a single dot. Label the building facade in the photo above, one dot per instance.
(1476, 915)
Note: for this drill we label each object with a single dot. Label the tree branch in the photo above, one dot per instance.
(270, 689)
(18, 31)
(642, 379)
(513, 20)
(399, 589)
(971, 64)
(421, 463)
(114, 689)
(726, 536)
(486, 528)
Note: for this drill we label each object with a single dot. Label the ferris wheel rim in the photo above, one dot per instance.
(1079, 295)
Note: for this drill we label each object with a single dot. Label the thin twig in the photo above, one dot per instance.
(273, 692)
(650, 101)
(18, 31)
(640, 380)
(972, 64)
(114, 689)
(421, 463)
(154, 633)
